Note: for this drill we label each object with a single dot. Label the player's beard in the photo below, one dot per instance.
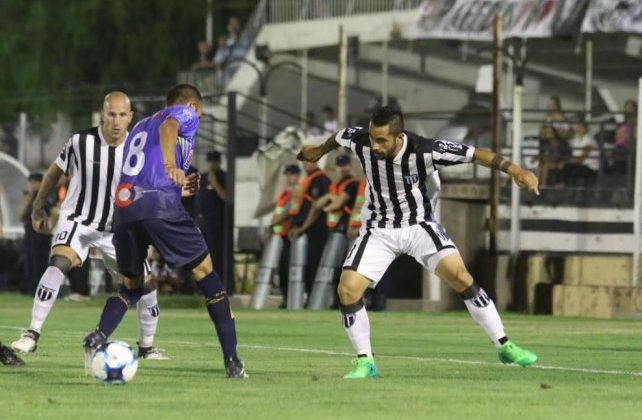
(388, 154)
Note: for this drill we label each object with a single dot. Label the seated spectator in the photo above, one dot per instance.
(553, 150)
(330, 124)
(581, 169)
(555, 117)
(220, 59)
(309, 125)
(233, 33)
(626, 132)
(205, 55)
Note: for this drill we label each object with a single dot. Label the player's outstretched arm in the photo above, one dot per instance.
(522, 177)
(168, 132)
(38, 214)
(314, 153)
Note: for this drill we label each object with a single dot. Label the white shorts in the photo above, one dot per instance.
(80, 238)
(376, 248)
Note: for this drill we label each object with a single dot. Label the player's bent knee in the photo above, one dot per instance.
(200, 267)
(348, 294)
(351, 287)
(148, 286)
(130, 296)
(61, 262)
(133, 282)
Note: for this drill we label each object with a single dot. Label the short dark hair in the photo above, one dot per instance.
(388, 115)
(182, 93)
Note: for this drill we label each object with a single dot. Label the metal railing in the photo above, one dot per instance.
(279, 11)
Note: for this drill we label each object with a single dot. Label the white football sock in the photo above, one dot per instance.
(46, 295)
(357, 325)
(147, 310)
(483, 311)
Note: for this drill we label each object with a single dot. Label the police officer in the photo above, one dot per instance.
(211, 206)
(36, 245)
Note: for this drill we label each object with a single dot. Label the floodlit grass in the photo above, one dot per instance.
(432, 365)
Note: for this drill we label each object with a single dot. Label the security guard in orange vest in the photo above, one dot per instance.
(355, 216)
(308, 234)
(276, 253)
(337, 205)
(282, 223)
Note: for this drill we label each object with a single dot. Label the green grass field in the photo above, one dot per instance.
(433, 366)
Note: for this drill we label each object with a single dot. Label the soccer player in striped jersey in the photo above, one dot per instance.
(92, 159)
(397, 218)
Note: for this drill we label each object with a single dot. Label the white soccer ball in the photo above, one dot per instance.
(114, 363)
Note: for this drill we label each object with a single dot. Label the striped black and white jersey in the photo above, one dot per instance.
(93, 168)
(400, 190)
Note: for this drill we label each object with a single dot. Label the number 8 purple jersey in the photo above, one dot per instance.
(145, 191)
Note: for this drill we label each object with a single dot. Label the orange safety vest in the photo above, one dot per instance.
(355, 216)
(282, 203)
(332, 218)
(301, 192)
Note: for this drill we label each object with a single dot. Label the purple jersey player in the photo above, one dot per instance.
(145, 191)
(148, 211)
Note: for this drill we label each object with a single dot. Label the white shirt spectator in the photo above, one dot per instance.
(578, 144)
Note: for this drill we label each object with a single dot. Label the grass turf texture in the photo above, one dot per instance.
(432, 366)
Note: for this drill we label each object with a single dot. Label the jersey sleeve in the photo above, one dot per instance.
(346, 136)
(449, 153)
(187, 119)
(65, 155)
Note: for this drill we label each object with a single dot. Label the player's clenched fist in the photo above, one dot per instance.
(310, 154)
(527, 179)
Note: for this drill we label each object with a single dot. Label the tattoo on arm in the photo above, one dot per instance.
(500, 163)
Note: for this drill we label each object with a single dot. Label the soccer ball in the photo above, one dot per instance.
(114, 363)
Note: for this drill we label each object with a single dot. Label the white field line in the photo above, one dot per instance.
(379, 355)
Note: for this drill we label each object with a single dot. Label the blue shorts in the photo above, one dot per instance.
(179, 242)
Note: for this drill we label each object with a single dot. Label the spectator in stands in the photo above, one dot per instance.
(309, 125)
(581, 168)
(220, 59)
(205, 55)
(555, 117)
(553, 149)
(330, 124)
(233, 33)
(625, 134)
(210, 202)
(36, 245)
(8, 141)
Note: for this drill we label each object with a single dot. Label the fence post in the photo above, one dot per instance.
(230, 179)
(22, 138)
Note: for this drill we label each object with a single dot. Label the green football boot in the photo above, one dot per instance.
(510, 352)
(364, 367)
